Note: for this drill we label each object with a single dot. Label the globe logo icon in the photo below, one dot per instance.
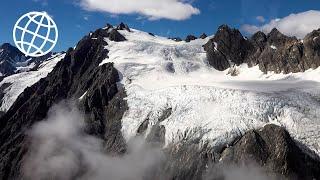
(35, 34)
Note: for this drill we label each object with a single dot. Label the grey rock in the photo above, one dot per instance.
(231, 48)
(11, 58)
(203, 36)
(190, 38)
(116, 36)
(273, 149)
(123, 26)
(273, 52)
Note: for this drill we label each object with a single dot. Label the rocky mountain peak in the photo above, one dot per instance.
(313, 34)
(272, 52)
(190, 38)
(259, 39)
(9, 51)
(225, 30)
(108, 32)
(203, 36)
(123, 26)
(275, 37)
(226, 48)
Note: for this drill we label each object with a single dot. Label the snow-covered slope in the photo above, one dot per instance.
(18, 82)
(160, 74)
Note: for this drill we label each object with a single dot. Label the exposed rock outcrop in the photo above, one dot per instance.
(273, 149)
(190, 38)
(13, 61)
(123, 26)
(273, 52)
(116, 36)
(270, 149)
(226, 48)
(9, 56)
(203, 36)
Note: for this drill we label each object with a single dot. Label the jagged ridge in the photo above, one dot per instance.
(273, 52)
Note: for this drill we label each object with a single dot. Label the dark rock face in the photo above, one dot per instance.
(116, 36)
(77, 73)
(109, 32)
(190, 38)
(273, 52)
(123, 26)
(9, 56)
(228, 47)
(2, 88)
(203, 36)
(273, 149)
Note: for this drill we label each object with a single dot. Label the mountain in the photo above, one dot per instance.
(13, 61)
(13, 85)
(9, 57)
(202, 109)
(272, 52)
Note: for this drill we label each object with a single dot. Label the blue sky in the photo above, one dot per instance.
(74, 20)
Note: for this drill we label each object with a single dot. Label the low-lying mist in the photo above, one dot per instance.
(60, 149)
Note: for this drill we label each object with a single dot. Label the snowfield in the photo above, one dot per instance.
(161, 74)
(18, 82)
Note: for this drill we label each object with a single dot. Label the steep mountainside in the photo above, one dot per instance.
(130, 83)
(13, 61)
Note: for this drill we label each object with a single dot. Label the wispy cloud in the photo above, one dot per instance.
(86, 18)
(260, 19)
(60, 149)
(155, 9)
(43, 2)
(297, 25)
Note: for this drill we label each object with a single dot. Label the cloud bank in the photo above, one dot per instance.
(60, 149)
(297, 25)
(153, 9)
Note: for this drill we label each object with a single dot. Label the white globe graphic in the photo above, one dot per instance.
(35, 34)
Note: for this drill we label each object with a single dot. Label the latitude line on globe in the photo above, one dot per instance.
(38, 35)
(36, 32)
(44, 25)
(27, 43)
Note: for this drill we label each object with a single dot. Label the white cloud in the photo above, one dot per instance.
(297, 25)
(260, 19)
(153, 9)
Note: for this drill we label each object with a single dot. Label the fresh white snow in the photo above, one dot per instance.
(159, 73)
(273, 47)
(23, 80)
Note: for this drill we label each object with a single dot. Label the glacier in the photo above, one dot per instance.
(159, 73)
